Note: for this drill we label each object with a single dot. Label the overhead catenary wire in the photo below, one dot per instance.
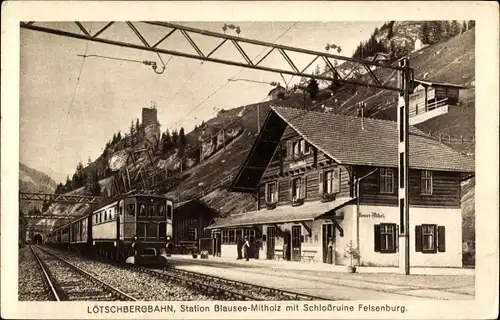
(242, 69)
(70, 105)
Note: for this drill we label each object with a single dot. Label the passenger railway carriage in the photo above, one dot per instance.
(136, 228)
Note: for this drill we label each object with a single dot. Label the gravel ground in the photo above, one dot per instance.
(76, 286)
(135, 283)
(31, 284)
(235, 287)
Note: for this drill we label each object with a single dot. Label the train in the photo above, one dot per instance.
(134, 228)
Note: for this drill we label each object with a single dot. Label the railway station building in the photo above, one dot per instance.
(322, 181)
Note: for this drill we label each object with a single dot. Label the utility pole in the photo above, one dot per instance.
(403, 159)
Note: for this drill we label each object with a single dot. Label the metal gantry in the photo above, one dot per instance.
(187, 32)
(64, 198)
(348, 65)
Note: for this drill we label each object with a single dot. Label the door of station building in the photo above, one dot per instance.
(270, 242)
(296, 233)
(217, 245)
(328, 232)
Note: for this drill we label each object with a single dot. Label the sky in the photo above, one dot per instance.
(70, 106)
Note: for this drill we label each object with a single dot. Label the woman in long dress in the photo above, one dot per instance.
(329, 252)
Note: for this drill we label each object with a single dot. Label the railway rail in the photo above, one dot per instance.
(216, 288)
(231, 289)
(68, 282)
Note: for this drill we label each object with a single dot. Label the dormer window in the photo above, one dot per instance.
(297, 148)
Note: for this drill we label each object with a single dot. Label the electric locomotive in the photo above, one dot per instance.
(134, 228)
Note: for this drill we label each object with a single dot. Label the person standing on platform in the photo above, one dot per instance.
(246, 247)
(257, 248)
(239, 245)
(329, 253)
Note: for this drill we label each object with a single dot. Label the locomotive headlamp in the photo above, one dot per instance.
(135, 238)
(169, 237)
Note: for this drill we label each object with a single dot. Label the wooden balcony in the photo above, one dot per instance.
(433, 110)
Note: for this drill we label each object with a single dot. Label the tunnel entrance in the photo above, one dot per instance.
(37, 239)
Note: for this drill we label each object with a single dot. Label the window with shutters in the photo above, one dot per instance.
(426, 182)
(271, 192)
(385, 237)
(430, 238)
(386, 180)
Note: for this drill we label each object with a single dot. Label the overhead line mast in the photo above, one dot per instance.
(403, 87)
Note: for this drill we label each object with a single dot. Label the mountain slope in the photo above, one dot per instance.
(31, 180)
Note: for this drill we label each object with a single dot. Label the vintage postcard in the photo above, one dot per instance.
(195, 160)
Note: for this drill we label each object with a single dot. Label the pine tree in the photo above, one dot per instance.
(471, 24)
(89, 161)
(119, 136)
(424, 32)
(132, 128)
(137, 126)
(454, 28)
(317, 71)
(182, 137)
(464, 27)
(313, 88)
(175, 137)
(92, 187)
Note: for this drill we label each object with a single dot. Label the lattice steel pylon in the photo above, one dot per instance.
(349, 66)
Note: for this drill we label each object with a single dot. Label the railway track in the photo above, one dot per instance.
(234, 290)
(68, 282)
(217, 288)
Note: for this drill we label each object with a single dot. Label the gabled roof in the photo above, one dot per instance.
(343, 139)
(430, 83)
(195, 205)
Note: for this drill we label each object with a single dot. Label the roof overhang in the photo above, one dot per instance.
(282, 214)
(261, 153)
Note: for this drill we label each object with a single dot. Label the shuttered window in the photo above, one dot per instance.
(430, 238)
(385, 237)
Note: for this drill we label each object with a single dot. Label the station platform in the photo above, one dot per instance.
(333, 282)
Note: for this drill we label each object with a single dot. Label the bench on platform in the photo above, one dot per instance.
(278, 254)
(309, 255)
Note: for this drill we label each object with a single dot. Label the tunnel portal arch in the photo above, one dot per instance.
(38, 238)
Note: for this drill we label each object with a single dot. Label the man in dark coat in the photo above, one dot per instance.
(239, 246)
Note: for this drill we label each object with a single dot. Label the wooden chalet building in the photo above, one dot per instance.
(431, 99)
(321, 178)
(190, 219)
